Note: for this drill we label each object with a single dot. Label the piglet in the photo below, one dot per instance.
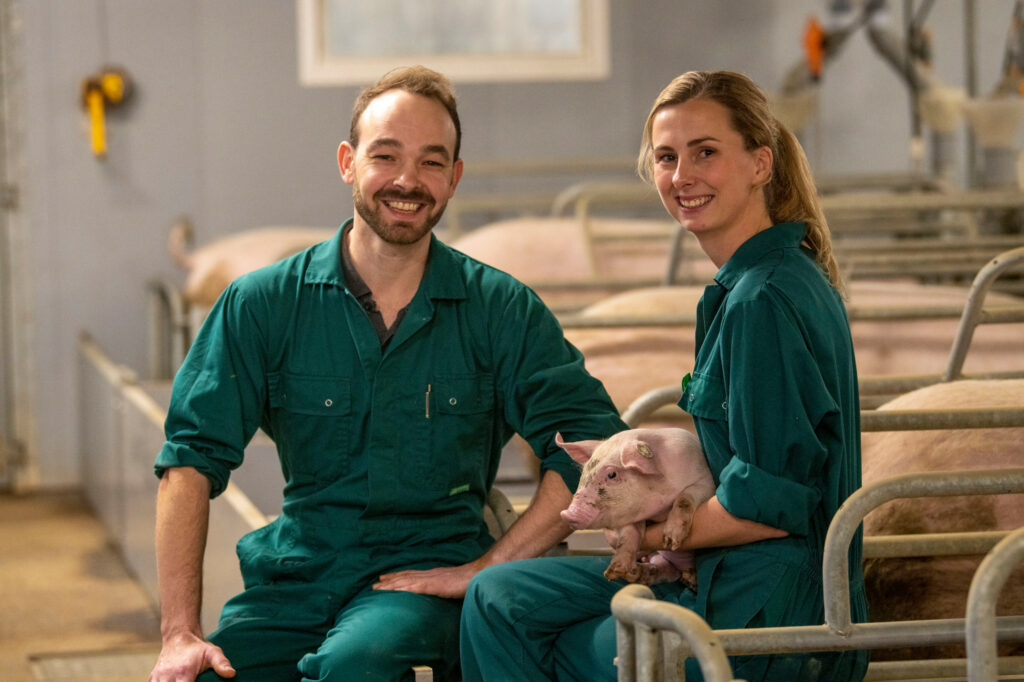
(634, 477)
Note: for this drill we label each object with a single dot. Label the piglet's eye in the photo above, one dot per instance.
(612, 474)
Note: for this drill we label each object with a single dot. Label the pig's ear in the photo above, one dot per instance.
(580, 451)
(637, 455)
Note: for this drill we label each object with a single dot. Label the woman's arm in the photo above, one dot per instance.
(713, 526)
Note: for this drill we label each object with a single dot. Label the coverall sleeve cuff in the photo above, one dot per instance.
(748, 492)
(179, 455)
(564, 466)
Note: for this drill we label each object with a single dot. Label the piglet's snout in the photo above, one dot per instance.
(579, 516)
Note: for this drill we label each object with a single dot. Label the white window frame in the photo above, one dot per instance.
(592, 62)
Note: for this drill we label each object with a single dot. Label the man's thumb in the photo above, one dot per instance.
(221, 665)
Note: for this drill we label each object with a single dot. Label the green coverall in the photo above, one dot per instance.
(387, 457)
(775, 402)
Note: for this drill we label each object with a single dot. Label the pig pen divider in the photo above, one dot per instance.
(121, 430)
(972, 313)
(929, 232)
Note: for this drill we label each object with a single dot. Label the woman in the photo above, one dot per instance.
(773, 395)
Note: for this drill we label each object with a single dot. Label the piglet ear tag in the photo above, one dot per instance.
(639, 456)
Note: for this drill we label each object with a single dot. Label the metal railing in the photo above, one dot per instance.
(972, 314)
(639, 616)
(839, 632)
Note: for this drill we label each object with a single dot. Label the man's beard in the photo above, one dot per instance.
(399, 232)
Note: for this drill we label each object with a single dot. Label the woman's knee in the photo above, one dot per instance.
(491, 591)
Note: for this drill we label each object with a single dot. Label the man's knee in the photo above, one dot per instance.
(384, 635)
(373, 658)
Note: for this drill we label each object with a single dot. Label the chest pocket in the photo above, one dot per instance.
(463, 427)
(311, 424)
(467, 395)
(705, 397)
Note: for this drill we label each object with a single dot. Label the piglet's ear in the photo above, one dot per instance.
(637, 455)
(580, 450)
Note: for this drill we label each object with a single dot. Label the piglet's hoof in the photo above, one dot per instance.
(688, 577)
(673, 540)
(616, 571)
(649, 575)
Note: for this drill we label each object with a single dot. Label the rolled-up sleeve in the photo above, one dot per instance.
(218, 395)
(547, 387)
(780, 418)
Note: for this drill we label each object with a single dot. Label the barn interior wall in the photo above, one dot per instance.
(220, 130)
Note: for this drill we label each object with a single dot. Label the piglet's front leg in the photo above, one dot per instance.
(679, 521)
(626, 545)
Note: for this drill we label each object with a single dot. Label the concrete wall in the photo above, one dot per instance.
(221, 131)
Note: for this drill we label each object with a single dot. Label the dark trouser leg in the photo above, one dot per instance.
(516, 614)
(265, 630)
(381, 635)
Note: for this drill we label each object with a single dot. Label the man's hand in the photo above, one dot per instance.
(449, 581)
(538, 529)
(183, 658)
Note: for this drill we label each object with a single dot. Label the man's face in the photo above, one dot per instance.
(402, 173)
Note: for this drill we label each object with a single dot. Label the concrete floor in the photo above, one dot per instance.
(69, 608)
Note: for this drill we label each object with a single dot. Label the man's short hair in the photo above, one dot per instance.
(418, 80)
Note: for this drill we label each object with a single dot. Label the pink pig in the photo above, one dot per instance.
(634, 477)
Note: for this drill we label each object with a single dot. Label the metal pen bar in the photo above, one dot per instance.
(935, 669)
(852, 512)
(871, 385)
(980, 199)
(996, 315)
(931, 544)
(884, 635)
(972, 316)
(635, 602)
(988, 582)
(932, 420)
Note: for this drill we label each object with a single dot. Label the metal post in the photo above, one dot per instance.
(849, 516)
(992, 574)
(625, 648)
(636, 606)
(972, 310)
(971, 81)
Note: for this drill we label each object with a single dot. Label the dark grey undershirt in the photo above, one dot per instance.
(358, 287)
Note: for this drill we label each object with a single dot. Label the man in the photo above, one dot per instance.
(390, 370)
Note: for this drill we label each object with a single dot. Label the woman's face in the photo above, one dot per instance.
(706, 178)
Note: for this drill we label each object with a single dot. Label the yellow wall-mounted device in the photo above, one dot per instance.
(111, 87)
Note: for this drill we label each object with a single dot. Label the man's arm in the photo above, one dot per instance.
(182, 519)
(539, 529)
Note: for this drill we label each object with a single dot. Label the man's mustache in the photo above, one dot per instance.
(418, 196)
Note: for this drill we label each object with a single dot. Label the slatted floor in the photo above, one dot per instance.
(69, 608)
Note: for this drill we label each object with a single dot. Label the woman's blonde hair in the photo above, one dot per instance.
(790, 195)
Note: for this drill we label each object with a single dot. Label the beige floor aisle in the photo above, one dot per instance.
(69, 609)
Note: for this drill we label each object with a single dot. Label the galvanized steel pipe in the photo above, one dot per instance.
(849, 516)
(636, 604)
(992, 574)
(931, 420)
(972, 310)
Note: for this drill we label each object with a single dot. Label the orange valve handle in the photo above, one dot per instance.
(814, 47)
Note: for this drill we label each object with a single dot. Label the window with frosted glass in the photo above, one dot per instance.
(354, 41)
